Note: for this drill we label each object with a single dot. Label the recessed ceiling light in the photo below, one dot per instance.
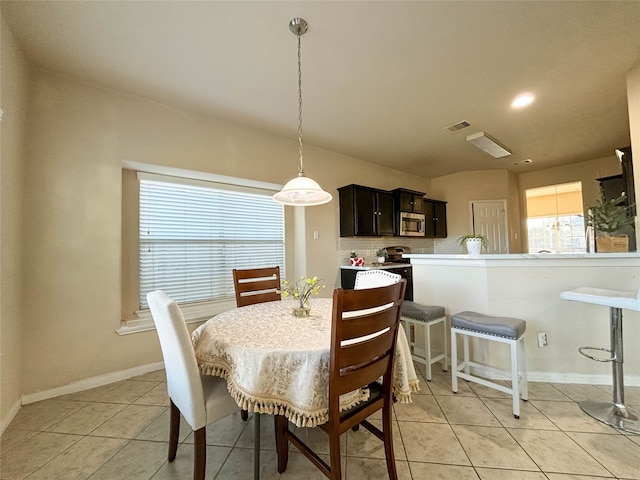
(522, 100)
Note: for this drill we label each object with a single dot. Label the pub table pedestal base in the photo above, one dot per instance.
(623, 417)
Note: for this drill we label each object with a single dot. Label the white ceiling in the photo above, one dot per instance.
(381, 79)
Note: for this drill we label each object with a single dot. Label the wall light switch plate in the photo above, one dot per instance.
(542, 339)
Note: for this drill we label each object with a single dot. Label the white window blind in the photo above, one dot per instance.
(193, 233)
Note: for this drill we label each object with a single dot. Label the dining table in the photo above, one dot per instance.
(277, 363)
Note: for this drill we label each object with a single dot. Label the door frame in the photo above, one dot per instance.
(506, 217)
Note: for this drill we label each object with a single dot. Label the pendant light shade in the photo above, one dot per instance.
(301, 191)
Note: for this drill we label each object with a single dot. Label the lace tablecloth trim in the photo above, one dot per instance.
(404, 396)
(262, 404)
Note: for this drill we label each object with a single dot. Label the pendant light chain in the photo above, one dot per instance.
(301, 191)
(301, 165)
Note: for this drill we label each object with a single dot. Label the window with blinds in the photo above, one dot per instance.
(193, 233)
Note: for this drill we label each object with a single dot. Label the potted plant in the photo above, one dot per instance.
(381, 253)
(473, 242)
(608, 217)
(355, 260)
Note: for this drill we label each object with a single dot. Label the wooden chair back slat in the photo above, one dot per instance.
(368, 349)
(352, 379)
(256, 285)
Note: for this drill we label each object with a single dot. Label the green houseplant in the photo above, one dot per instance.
(607, 217)
(473, 243)
(381, 253)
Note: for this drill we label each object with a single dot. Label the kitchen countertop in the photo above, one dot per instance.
(527, 259)
(377, 266)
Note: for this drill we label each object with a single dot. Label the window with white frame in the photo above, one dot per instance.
(193, 233)
(555, 219)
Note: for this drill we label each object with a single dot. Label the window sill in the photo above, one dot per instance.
(192, 312)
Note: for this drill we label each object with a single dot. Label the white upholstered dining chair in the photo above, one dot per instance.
(375, 278)
(201, 399)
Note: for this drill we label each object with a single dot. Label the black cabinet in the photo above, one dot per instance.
(408, 200)
(612, 187)
(435, 212)
(348, 278)
(365, 211)
(626, 161)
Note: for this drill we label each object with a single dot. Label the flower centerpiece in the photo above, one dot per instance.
(301, 290)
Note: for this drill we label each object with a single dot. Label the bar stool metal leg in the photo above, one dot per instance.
(615, 413)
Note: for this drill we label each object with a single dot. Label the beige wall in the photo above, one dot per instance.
(79, 135)
(633, 99)
(13, 90)
(460, 189)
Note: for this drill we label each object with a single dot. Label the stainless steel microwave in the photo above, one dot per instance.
(412, 224)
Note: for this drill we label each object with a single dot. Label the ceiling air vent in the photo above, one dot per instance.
(456, 127)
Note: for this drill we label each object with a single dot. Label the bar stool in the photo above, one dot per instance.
(425, 316)
(615, 413)
(498, 329)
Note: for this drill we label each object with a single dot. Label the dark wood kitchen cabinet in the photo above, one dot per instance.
(408, 200)
(365, 211)
(435, 212)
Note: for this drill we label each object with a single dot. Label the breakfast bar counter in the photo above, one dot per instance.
(528, 286)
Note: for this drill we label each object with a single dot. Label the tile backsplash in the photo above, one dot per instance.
(366, 247)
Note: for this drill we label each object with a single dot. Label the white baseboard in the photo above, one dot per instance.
(100, 380)
(92, 382)
(557, 377)
(13, 411)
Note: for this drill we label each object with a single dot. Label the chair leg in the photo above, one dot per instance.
(200, 454)
(388, 441)
(427, 348)
(523, 370)
(174, 430)
(244, 415)
(444, 344)
(515, 384)
(467, 368)
(454, 361)
(334, 454)
(282, 442)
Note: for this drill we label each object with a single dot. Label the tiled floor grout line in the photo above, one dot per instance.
(428, 389)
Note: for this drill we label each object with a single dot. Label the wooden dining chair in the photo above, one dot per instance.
(363, 340)
(256, 285)
(201, 399)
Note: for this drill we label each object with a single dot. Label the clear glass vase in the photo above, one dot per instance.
(303, 311)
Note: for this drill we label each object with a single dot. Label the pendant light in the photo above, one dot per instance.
(301, 191)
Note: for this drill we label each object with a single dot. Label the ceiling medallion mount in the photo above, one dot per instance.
(298, 26)
(301, 191)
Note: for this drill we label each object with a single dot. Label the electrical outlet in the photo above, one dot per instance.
(542, 339)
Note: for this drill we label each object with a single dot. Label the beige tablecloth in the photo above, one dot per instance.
(276, 363)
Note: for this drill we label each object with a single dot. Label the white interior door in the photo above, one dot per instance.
(489, 217)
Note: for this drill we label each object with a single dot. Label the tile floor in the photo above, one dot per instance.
(119, 431)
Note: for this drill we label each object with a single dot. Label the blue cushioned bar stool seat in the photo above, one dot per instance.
(615, 413)
(498, 329)
(425, 316)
